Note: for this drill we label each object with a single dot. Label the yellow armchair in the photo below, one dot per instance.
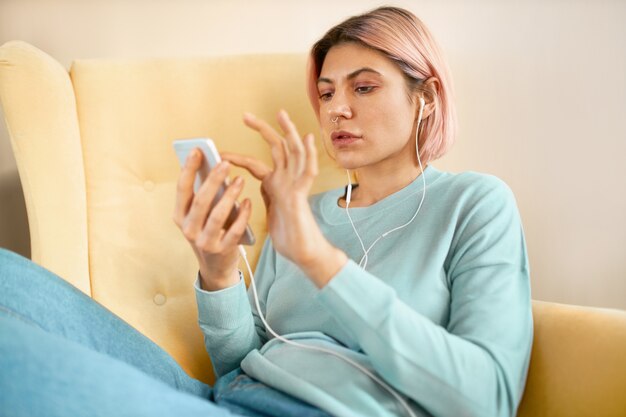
(93, 149)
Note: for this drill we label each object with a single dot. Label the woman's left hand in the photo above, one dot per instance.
(285, 190)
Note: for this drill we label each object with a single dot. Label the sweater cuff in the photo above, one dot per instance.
(224, 309)
(357, 297)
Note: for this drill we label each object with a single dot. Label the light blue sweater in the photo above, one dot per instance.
(442, 313)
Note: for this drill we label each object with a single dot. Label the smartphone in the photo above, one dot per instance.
(211, 158)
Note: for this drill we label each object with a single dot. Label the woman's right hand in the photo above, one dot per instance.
(203, 227)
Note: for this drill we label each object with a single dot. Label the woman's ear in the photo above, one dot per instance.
(429, 92)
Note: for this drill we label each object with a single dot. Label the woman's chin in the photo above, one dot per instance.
(349, 163)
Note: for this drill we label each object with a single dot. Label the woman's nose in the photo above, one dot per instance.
(339, 107)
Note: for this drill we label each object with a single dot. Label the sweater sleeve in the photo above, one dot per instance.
(226, 323)
(476, 365)
(229, 319)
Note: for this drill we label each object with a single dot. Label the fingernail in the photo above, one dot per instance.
(248, 116)
(238, 181)
(223, 166)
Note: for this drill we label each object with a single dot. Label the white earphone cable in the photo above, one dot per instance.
(364, 259)
(362, 264)
(349, 217)
(375, 378)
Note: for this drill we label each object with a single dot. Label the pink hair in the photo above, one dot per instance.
(403, 38)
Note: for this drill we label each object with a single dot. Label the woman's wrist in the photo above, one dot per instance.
(322, 266)
(210, 282)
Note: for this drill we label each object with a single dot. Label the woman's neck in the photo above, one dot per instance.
(375, 185)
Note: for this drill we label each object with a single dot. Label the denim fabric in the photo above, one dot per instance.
(63, 354)
(44, 374)
(246, 396)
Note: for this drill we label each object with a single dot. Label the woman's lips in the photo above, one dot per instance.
(342, 138)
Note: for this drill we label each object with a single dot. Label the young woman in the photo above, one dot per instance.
(405, 294)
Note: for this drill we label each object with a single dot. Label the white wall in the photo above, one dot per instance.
(541, 90)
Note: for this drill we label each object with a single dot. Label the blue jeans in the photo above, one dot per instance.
(63, 354)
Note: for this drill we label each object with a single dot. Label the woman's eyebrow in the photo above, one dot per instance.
(350, 76)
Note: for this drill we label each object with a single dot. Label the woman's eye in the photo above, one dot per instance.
(325, 96)
(364, 89)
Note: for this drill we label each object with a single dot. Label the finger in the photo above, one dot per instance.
(294, 143)
(257, 168)
(184, 186)
(203, 200)
(311, 167)
(233, 235)
(276, 142)
(220, 214)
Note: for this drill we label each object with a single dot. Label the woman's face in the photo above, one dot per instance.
(367, 95)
